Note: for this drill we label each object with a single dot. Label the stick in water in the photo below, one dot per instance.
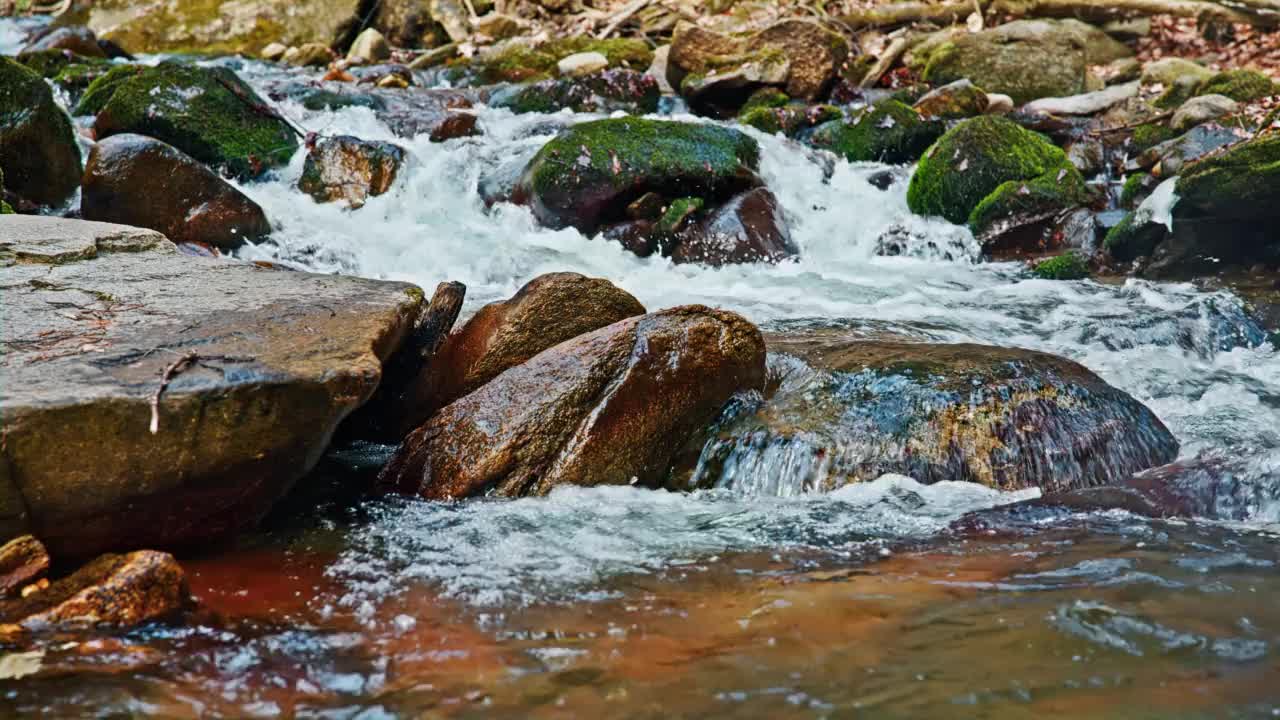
(171, 371)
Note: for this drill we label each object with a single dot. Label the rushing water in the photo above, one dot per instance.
(632, 603)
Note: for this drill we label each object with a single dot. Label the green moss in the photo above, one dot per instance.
(765, 97)
(1239, 85)
(888, 131)
(46, 63)
(1134, 185)
(1130, 239)
(1067, 266)
(520, 63)
(1048, 193)
(626, 157)
(677, 213)
(38, 151)
(1243, 182)
(788, 120)
(208, 113)
(1176, 94)
(975, 158)
(330, 100)
(102, 88)
(1151, 134)
(5, 209)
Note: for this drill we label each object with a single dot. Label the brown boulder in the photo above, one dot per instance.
(136, 180)
(119, 590)
(748, 228)
(815, 52)
(613, 406)
(547, 311)
(348, 168)
(22, 560)
(76, 39)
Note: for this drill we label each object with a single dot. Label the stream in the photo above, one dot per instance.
(738, 601)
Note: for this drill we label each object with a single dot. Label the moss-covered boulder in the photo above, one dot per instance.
(988, 168)
(1239, 85)
(1024, 59)
(101, 88)
(847, 411)
(1067, 266)
(208, 113)
(607, 91)
(790, 120)
(888, 131)
(953, 101)
(38, 152)
(590, 173)
(1241, 183)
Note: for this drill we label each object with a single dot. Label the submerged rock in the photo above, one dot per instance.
(192, 205)
(591, 172)
(350, 169)
(100, 452)
(994, 175)
(38, 152)
(208, 113)
(76, 39)
(748, 228)
(113, 590)
(790, 120)
(607, 91)
(547, 311)
(1024, 59)
(888, 131)
(583, 412)
(852, 410)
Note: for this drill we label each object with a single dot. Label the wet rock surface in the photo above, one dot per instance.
(606, 91)
(191, 205)
(248, 370)
(350, 169)
(748, 228)
(612, 407)
(22, 560)
(851, 410)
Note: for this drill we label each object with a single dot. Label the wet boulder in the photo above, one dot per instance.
(748, 228)
(588, 175)
(75, 39)
(518, 61)
(583, 412)
(38, 152)
(113, 590)
(1239, 85)
(814, 52)
(995, 176)
(1202, 109)
(607, 91)
(547, 311)
(722, 88)
(156, 399)
(1024, 59)
(100, 89)
(350, 169)
(23, 560)
(72, 74)
(851, 410)
(790, 120)
(208, 113)
(888, 131)
(192, 205)
(369, 47)
(439, 114)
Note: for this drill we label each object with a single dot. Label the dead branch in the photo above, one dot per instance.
(172, 370)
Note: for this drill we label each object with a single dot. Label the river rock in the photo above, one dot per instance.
(192, 205)
(1168, 71)
(38, 152)
(308, 55)
(1202, 109)
(547, 311)
(208, 113)
(887, 131)
(815, 55)
(76, 39)
(790, 120)
(219, 26)
(584, 412)
(607, 91)
(516, 60)
(851, 410)
(748, 228)
(582, 64)
(1025, 59)
(592, 171)
(994, 175)
(262, 366)
(369, 47)
(350, 169)
(22, 560)
(113, 590)
(954, 101)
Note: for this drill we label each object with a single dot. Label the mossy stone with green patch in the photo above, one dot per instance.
(1040, 197)
(765, 97)
(1241, 183)
(38, 152)
(1148, 135)
(1135, 186)
(605, 91)
(978, 169)
(5, 208)
(517, 62)
(1239, 85)
(789, 120)
(208, 113)
(1131, 239)
(102, 88)
(49, 63)
(1067, 266)
(590, 172)
(888, 131)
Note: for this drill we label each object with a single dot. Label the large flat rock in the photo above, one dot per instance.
(265, 363)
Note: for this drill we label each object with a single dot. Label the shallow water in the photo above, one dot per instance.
(633, 603)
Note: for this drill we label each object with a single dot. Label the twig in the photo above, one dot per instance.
(171, 371)
(623, 16)
(1122, 128)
